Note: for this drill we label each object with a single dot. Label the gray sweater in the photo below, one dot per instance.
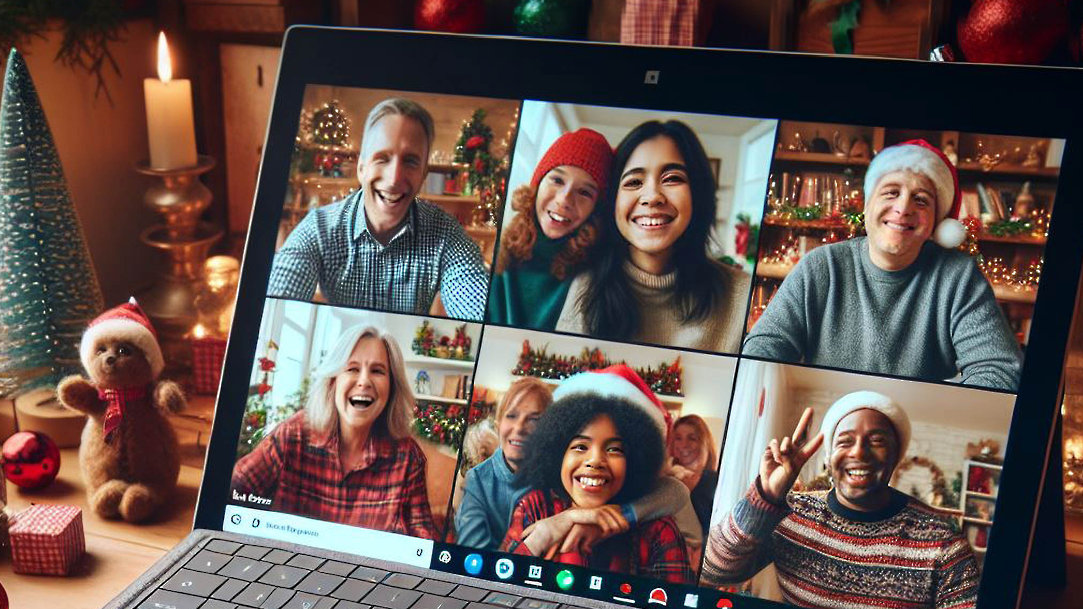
(932, 320)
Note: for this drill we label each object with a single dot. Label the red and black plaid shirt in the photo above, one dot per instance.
(652, 549)
(300, 470)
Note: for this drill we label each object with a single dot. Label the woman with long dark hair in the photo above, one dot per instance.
(652, 278)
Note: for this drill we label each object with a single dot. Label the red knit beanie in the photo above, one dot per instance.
(583, 148)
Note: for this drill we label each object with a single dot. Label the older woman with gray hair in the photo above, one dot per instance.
(348, 456)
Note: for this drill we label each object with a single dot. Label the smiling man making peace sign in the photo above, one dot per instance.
(860, 544)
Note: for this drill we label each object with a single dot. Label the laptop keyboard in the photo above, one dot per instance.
(229, 575)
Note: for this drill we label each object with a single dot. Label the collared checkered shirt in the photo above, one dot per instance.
(333, 248)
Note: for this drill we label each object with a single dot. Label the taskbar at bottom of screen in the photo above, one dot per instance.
(329, 535)
(574, 580)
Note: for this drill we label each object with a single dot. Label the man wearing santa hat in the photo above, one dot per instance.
(860, 544)
(903, 300)
(383, 247)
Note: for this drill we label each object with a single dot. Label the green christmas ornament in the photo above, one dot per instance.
(48, 289)
(552, 18)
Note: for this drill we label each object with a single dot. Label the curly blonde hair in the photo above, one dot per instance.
(518, 238)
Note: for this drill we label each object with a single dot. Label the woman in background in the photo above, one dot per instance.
(695, 463)
(651, 278)
(347, 457)
(553, 231)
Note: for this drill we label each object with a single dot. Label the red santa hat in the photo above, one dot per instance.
(125, 322)
(617, 381)
(921, 157)
(866, 400)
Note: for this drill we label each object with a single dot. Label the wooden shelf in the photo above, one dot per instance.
(446, 167)
(1006, 293)
(1014, 239)
(772, 220)
(480, 232)
(823, 158)
(980, 521)
(1010, 171)
(439, 362)
(424, 397)
(451, 199)
(977, 495)
(773, 270)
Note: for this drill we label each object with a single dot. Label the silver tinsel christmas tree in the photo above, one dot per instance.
(48, 290)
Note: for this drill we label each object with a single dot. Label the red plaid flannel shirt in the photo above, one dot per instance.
(301, 472)
(651, 549)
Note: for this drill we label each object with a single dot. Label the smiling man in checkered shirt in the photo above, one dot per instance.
(382, 247)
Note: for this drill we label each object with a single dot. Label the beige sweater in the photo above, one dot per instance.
(660, 321)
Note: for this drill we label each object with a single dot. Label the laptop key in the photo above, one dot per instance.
(326, 603)
(277, 598)
(353, 590)
(533, 603)
(217, 604)
(167, 599)
(193, 582)
(320, 583)
(429, 601)
(469, 594)
(305, 562)
(403, 580)
(481, 606)
(283, 575)
(254, 595)
(351, 605)
(338, 568)
(207, 561)
(392, 598)
(222, 546)
(278, 557)
(256, 552)
(245, 568)
(302, 600)
(435, 586)
(229, 589)
(503, 599)
(369, 574)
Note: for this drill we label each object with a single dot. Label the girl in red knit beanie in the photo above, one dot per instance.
(552, 232)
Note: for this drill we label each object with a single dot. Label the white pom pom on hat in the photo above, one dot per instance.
(921, 157)
(862, 400)
(617, 381)
(124, 322)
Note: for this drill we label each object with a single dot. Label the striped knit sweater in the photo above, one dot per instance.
(826, 555)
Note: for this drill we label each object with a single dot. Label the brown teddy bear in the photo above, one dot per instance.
(129, 454)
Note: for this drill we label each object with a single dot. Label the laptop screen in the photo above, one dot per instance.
(644, 356)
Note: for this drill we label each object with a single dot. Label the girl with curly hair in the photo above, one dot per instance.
(652, 278)
(599, 444)
(554, 229)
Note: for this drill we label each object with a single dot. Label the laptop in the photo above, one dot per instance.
(539, 324)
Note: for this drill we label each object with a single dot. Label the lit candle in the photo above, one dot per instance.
(170, 127)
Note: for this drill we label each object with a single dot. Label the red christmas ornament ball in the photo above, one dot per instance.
(456, 16)
(31, 459)
(1013, 31)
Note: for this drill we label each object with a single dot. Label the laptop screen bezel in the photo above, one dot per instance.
(1037, 102)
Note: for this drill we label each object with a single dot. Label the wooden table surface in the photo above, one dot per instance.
(117, 552)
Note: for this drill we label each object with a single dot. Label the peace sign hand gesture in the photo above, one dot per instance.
(782, 461)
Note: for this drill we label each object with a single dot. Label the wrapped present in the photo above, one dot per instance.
(47, 539)
(207, 355)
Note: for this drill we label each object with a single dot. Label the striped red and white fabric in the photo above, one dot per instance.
(660, 22)
(47, 539)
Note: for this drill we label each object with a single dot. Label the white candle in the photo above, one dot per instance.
(171, 129)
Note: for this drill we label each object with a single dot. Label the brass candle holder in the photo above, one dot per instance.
(184, 241)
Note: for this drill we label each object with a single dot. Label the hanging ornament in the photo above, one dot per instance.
(330, 125)
(1013, 31)
(455, 16)
(552, 18)
(31, 459)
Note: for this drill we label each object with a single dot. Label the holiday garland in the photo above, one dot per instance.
(444, 423)
(663, 380)
(426, 344)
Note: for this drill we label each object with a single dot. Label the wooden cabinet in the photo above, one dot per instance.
(977, 497)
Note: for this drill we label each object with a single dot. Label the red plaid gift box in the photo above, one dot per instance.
(47, 539)
(661, 22)
(207, 356)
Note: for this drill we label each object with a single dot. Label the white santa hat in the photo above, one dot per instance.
(862, 400)
(125, 322)
(921, 157)
(617, 381)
